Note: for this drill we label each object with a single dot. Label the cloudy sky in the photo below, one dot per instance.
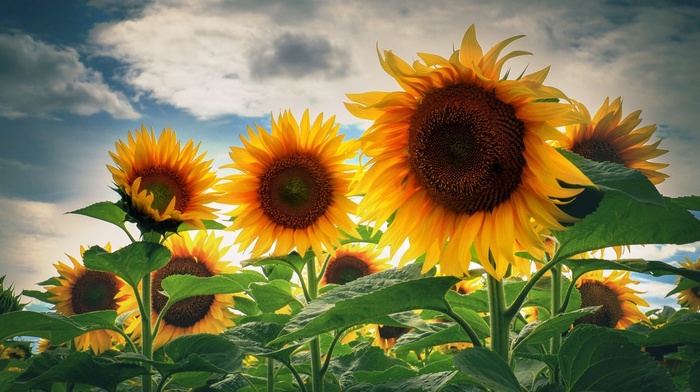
(75, 76)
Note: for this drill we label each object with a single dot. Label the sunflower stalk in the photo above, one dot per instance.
(315, 344)
(499, 321)
(555, 343)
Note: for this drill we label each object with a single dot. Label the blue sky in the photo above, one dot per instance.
(75, 76)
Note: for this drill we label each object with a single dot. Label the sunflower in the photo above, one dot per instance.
(292, 187)
(201, 257)
(163, 185)
(609, 138)
(619, 302)
(387, 335)
(81, 290)
(690, 298)
(468, 286)
(350, 262)
(461, 157)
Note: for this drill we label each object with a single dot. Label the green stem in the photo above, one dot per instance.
(514, 308)
(567, 296)
(146, 338)
(296, 375)
(270, 375)
(555, 342)
(315, 344)
(500, 324)
(462, 323)
(327, 362)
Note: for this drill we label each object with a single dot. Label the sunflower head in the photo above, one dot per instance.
(161, 184)
(461, 156)
(387, 335)
(351, 262)
(9, 302)
(690, 298)
(292, 186)
(199, 256)
(15, 350)
(80, 290)
(607, 137)
(619, 303)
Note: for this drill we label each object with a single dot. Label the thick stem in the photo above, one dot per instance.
(146, 338)
(500, 324)
(514, 308)
(270, 375)
(555, 342)
(315, 344)
(462, 323)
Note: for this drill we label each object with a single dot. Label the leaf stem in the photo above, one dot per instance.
(515, 306)
(462, 323)
(500, 323)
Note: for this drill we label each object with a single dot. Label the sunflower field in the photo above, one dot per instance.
(472, 239)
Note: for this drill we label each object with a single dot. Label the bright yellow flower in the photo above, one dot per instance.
(292, 187)
(609, 138)
(690, 298)
(353, 261)
(619, 302)
(461, 156)
(201, 257)
(165, 185)
(81, 290)
(468, 286)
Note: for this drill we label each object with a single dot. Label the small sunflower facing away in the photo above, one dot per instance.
(351, 262)
(619, 302)
(292, 188)
(164, 185)
(387, 335)
(609, 138)
(81, 290)
(461, 156)
(690, 298)
(200, 257)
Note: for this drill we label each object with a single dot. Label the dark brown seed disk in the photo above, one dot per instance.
(93, 291)
(465, 147)
(595, 294)
(345, 269)
(189, 311)
(164, 184)
(295, 191)
(597, 150)
(390, 332)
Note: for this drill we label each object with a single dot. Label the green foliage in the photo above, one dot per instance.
(130, 263)
(487, 369)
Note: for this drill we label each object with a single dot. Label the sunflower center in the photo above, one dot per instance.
(93, 291)
(164, 184)
(465, 147)
(295, 191)
(390, 332)
(594, 294)
(189, 311)
(696, 291)
(345, 269)
(597, 150)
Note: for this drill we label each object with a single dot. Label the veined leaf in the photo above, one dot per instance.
(130, 263)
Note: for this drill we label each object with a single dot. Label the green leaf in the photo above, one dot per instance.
(208, 225)
(367, 234)
(368, 358)
(541, 295)
(44, 325)
(179, 287)
(694, 376)
(386, 292)
(543, 331)
(651, 267)
(609, 176)
(688, 202)
(202, 352)
(272, 295)
(254, 339)
(78, 367)
(105, 211)
(425, 382)
(683, 330)
(487, 369)
(440, 333)
(43, 296)
(621, 220)
(130, 263)
(599, 359)
(246, 277)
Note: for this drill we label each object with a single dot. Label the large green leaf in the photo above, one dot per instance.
(440, 333)
(105, 211)
(682, 330)
(487, 369)
(272, 295)
(208, 225)
(609, 176)
(203, 352)
(254, 338)
(368, 358)
(541, 332)
(179, 287)
(599, 359)
(52, 326)
(357, 302)
(654, 268)
(688, 202)
(622, 220)
(59, 366)
(424, 382)
(130, 263)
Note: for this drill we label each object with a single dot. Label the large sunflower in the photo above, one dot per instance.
(163, 184)
(609, 138)
(690, 298)
(619, 303)
(201, 257)
(292, 187)
(351, 262)
(80, 290)
(460, 156)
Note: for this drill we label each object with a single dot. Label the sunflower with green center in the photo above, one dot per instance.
(460, 155)
(81, 290)
(292, 189)
(610, 138)
(690, 298)
(619, 303)
(162, 184)
(200, 257)
(350, 262)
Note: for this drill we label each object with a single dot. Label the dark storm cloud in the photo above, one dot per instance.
(39, 79)
(298, 56)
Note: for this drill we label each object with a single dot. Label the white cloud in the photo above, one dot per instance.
(38, 79)
(661, 252)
